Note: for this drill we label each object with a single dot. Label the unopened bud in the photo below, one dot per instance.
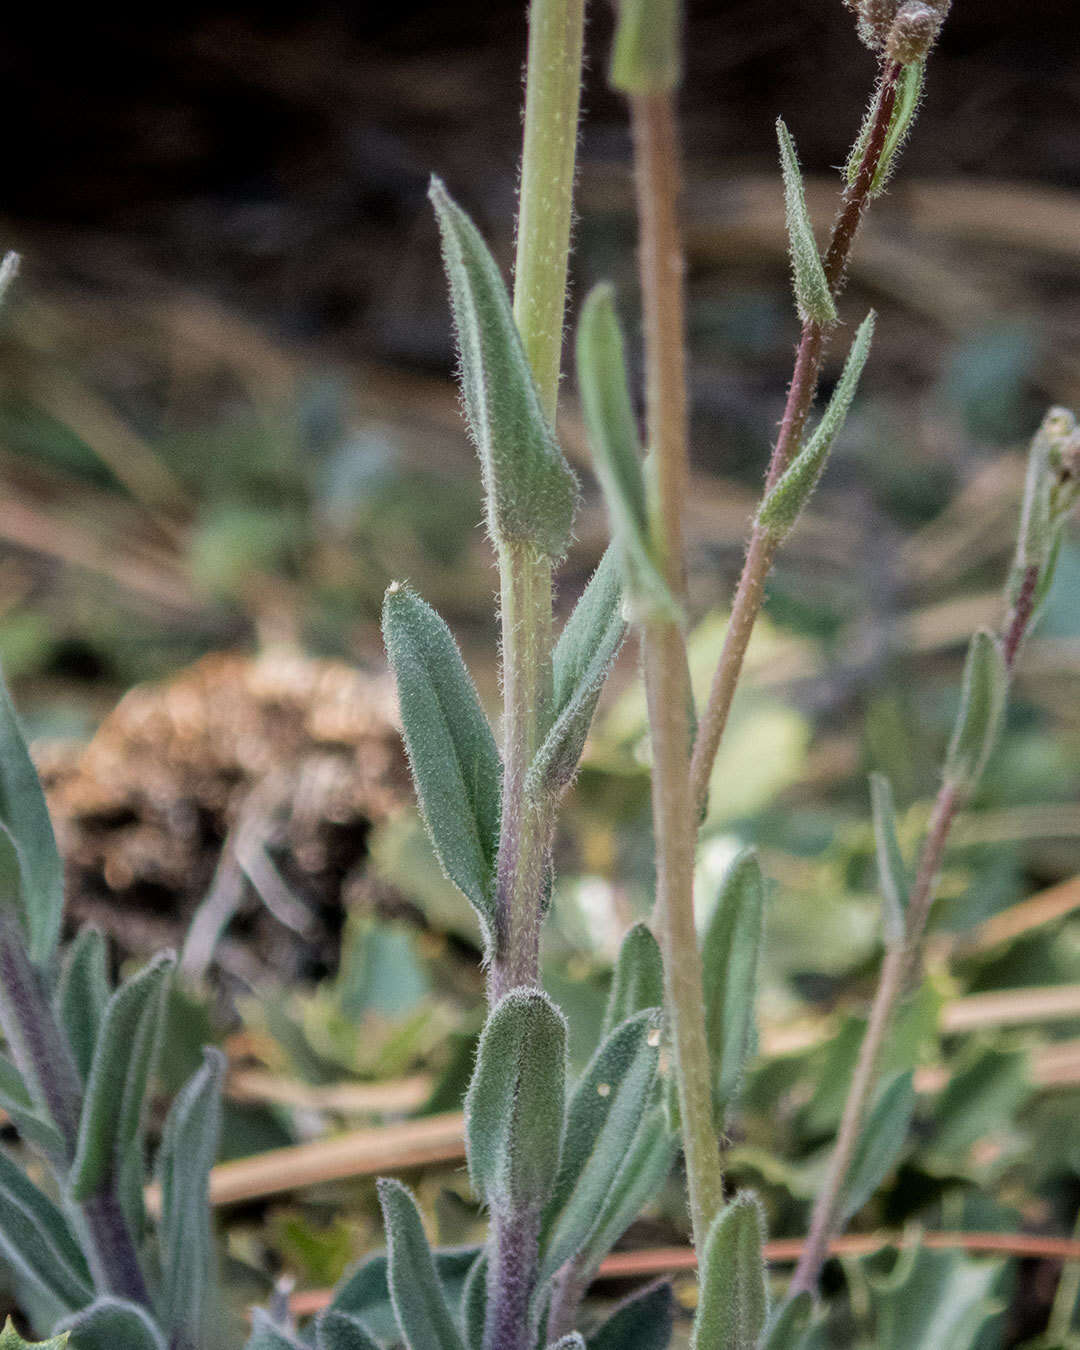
(875, 18)
(1069, 458)
(913, 32)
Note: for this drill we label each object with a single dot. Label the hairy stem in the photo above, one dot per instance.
(666, 679)
(813, 341)
(511, 1280)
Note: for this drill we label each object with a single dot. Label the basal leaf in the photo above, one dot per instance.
(83, 995)
(423, 1316)
(643, 1322)
(340, 1331)
(733, 1299)
(114, 1324)
(813, 297)
(36, 1241)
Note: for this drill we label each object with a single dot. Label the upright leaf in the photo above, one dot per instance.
(584, 655)
(32, 1126)
(365, 1293)
(423, 1316)
(111, 1127)
(474, 1301)
(113, 1324)
(638, 980)
(933, 1299)
(188, 1151)
(789, 1324)
(892, 871)
(514, 1106)
(531, 491)
(603, 1118)
(643, 1322)
(455, 764)
(340, 1331)
(982, 707)
(267, 1335)
(880, 1143)
(31, 872)
(786, 499)
(730, 966)
(733, 1299)
(613, 439)
(83, 995)
(813, 297)
(36, 1241)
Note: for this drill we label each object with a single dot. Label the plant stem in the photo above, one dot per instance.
(511, 1280)
(897, 969)
(813, 340)
(666, 679)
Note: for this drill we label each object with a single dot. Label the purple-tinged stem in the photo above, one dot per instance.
(514, 1244)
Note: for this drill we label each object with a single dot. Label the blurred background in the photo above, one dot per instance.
(228, 419)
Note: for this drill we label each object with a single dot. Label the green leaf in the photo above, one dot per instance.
(786, 499)
(982, 1095)
(188, 1151)
(267, 1335)
(30, 865)
(612, 431)
(455, 765)
(531, 491)
(34, 1128)
(982, 707)
(933, 1299)
(909, 90)
(340, 1331)
(730, 958)
(111, 1127)
(36, 1241)
(813, 298)
(514, 1106)
(789, 1324)
(474, 1301)
(643, 1322)
(584, 655)
(638, 980)
(365, 1293)
(646, 54)
(733, 1299)
(114, 1324)
(892, 871)
(423, 1316)
(9, 1337)
(83, 995)
(881, 1142)
(603, 1118)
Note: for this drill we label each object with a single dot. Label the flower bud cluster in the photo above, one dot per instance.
(904, 30)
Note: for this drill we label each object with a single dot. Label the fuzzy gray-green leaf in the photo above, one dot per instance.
(730, 966)
(892, 871)
(36, 1241)
(638, 979)
(31, 871)
(616, 450)
(531, 491)
(32, 1126)
(339, 1331)
(790, 1323)
(733, 1299)
(267, 1335)
(423, 1316)
(113, 1324)
(982, 707)
(813, 298)
(111, 1125)
(643, 1322)
(514, 1106)
(474, 1301)
(188, 1151)
(83, 995)
(786, 499)
(455, 763)
(584, 655)
(603, 1119)
(880, 1143)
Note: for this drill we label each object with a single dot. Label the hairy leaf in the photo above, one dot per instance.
(813, 298)
(36, 1241)
(341, 1331)
(455, 765)
(365, 1293)
(733, 1299)
(880, 1143)
(267, 1335)
(643, 1322)
(892, 872)
(638, 980)
(423, 1316)
(32, 1126)
(730, 967)
(83, 995)
(531, 491)
(474, 1301)
(514, 1106)
(982, 708)
(789, 1324)
(114, 1324)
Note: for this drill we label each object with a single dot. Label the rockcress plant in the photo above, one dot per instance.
(562, 1168)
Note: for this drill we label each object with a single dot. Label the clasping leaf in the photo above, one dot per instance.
(813, 298)
(982, 707)
(733, 1300)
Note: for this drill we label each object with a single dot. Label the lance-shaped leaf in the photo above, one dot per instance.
(188, 1151)
(603, 1118)
(531, 491)
(32, 1126)
(909, 89)
(514, 1106)
(423, 1316)
(982, 707)
(36, 1241)
(613, 438)
(365, 1293)
(933, 1299)
(474, 1301)
(1036, 534)
(455, 764)
(643, 1322)
(114, 1324)
(813, 298)
(83, 995)
(638, 979)
(790, 1323)
(892, 871)
(340, 1331)
(584, 655)
(786, 499)
(733, 1298)
(10, 1338)
(111, 1126)
(31, 872)
(880, 1143)
(730, 966)
(266, 1334)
